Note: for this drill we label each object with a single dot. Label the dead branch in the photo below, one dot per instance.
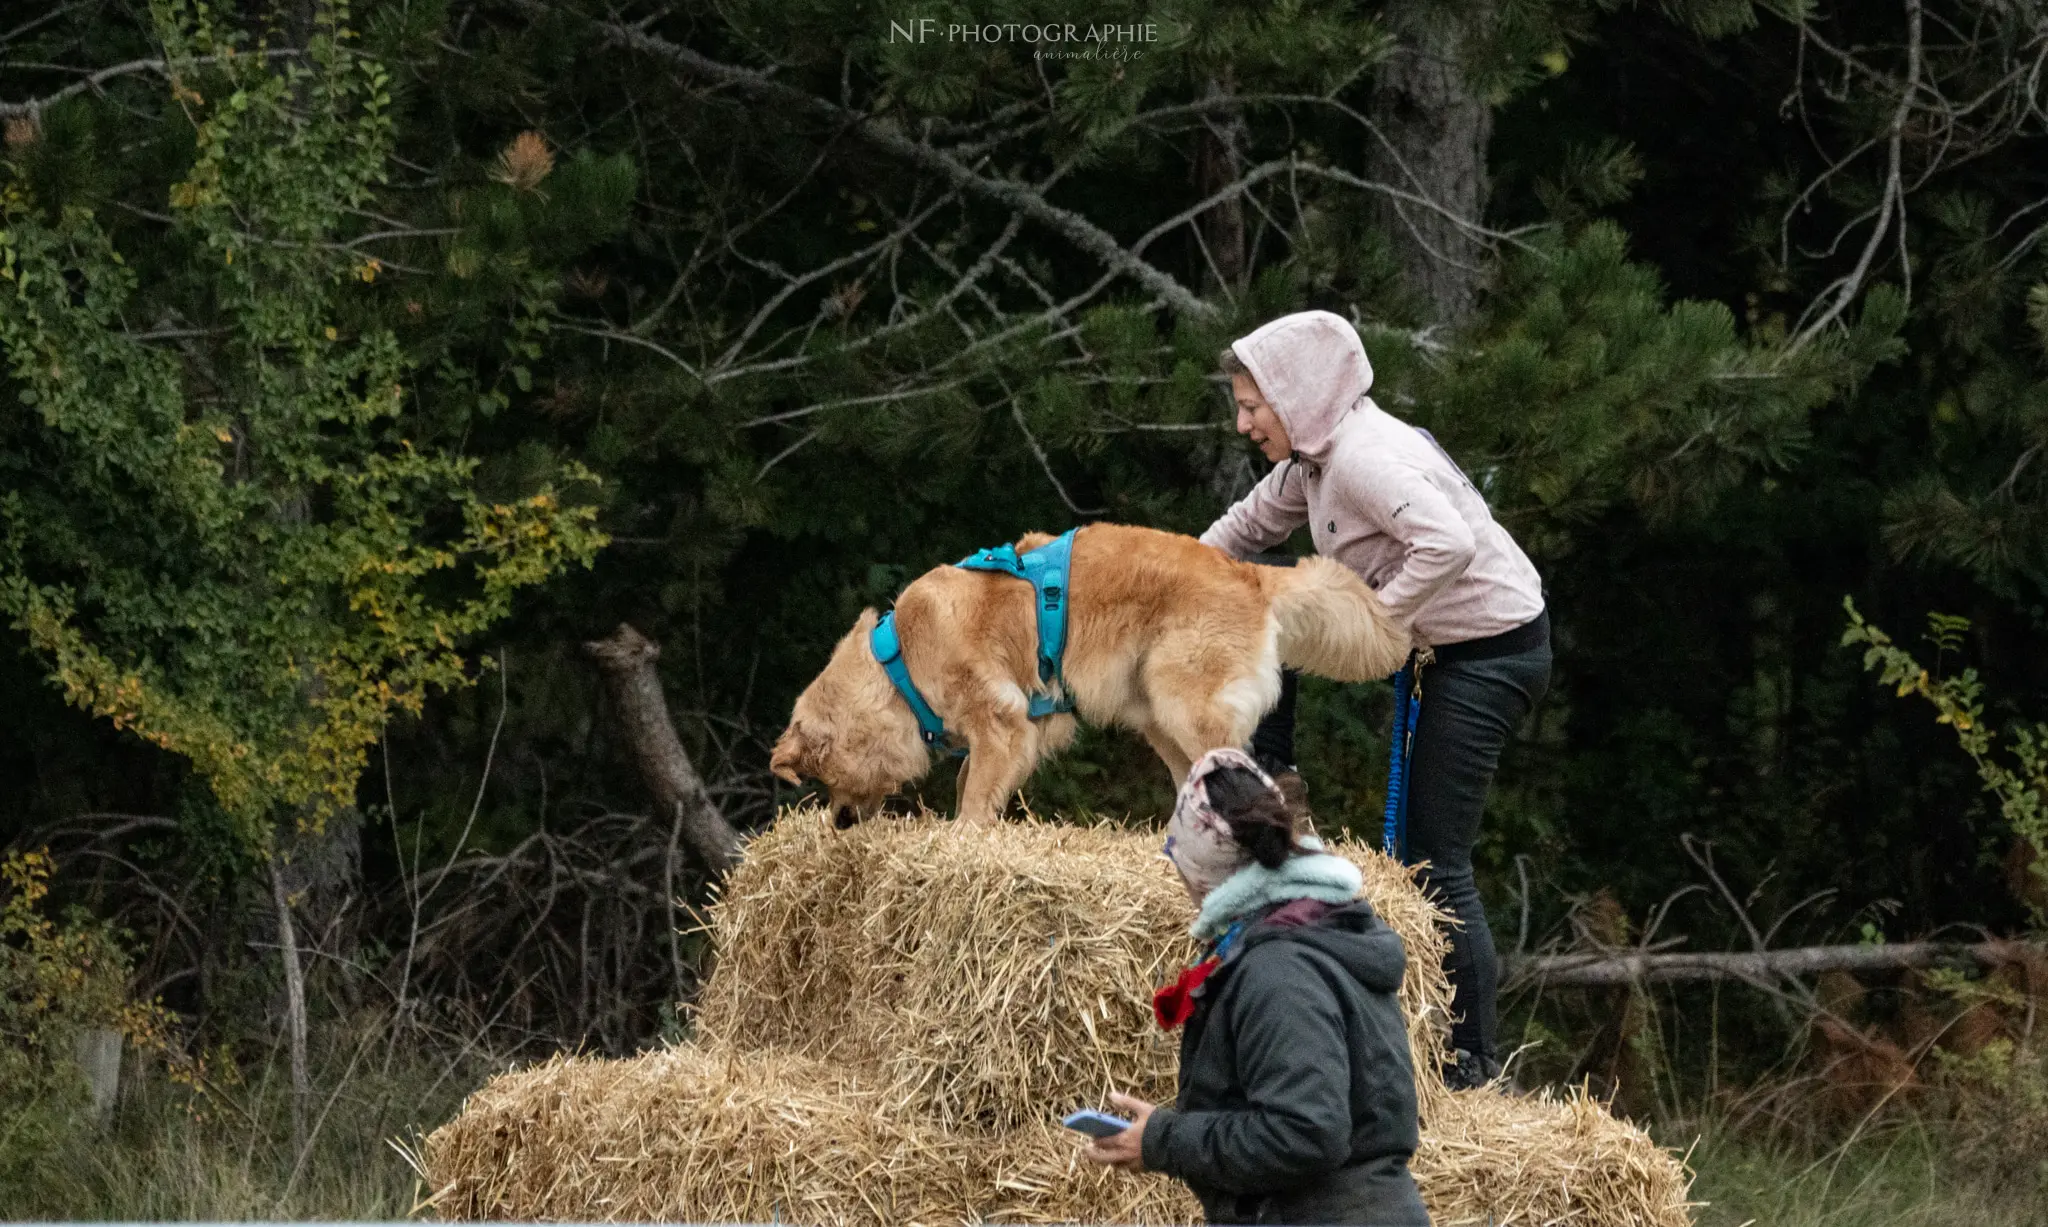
(627, 660)
(1018, 197)
(92, 81)
(1762, 968)
(1892, 203)
(1953, 88)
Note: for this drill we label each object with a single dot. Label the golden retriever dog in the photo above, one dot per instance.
(1165, 636)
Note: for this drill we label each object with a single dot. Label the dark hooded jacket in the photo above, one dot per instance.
(1297, 1094)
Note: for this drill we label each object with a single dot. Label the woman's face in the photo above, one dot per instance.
(1256, 419)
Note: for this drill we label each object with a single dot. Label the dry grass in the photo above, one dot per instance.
(687, 1135)
(899, 1010)
(1494, 1159)
(989, 976)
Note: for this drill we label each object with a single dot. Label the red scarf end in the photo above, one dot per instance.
(1173, 1004)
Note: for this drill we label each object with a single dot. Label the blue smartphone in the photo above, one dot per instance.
(1096, 1124)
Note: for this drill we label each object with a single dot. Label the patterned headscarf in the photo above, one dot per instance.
(1198, 840)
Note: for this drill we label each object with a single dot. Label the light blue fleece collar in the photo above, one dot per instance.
(1319, 875)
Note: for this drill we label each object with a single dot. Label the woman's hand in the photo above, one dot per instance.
(1124, 1150)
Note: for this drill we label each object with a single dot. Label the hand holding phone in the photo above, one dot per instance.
(1117, 1143)
(1096, 1124)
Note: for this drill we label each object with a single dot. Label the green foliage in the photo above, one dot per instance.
(1587, 386)
(233, 545)
(591, 252)
(381, 1090)
(1986, 508)
(56, 981)
(2021, 786)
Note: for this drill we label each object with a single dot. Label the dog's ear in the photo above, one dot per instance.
(782, 764)
(797, 754)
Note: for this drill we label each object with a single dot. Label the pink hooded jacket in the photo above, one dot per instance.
(1378, 495)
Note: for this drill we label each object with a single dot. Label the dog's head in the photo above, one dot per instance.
(851, 732)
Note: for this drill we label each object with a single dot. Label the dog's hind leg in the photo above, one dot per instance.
(1195, 729)
(1193, 715)
(1169, 752)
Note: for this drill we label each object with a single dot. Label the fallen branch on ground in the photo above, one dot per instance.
(1761, 967)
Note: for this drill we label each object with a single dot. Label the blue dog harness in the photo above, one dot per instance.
(1046, 568)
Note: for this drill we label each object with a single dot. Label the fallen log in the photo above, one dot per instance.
(1762, 967)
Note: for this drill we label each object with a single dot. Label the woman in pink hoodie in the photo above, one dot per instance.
(1381, 497)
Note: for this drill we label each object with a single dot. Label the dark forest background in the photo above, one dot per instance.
(1732, 307)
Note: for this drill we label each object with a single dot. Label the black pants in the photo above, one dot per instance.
(1273, 741)
(1470, 708)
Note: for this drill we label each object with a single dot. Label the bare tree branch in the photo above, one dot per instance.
(883, 135)
(92, 81)
(627, 659)
(1767, 969)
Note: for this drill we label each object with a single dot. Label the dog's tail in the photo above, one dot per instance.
(1331, 623)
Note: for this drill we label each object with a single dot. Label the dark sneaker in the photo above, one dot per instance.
(1470, 1071)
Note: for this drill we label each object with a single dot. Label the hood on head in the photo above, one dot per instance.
(1198, 839)
(1312, 368)
(1354, 935)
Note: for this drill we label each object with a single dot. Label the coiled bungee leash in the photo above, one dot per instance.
(1401, 752)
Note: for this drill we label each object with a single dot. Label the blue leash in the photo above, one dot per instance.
(1400, 753)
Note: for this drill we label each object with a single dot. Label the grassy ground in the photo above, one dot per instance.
(160, 1163)
(1906, 1176)
(168, 1155)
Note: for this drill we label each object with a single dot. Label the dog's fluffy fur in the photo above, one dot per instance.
(1165, 636)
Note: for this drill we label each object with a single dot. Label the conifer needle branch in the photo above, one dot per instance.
(1045, 463)
(887, 137)
(852, 402)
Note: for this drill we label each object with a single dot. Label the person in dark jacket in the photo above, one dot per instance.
(1297, 1094)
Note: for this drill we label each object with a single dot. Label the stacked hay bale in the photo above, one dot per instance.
(900, 1011)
